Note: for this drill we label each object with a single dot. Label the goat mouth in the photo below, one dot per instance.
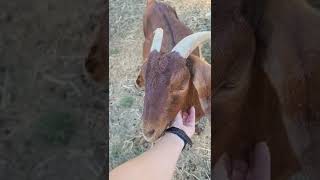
(156, 135)
(146, 138)
(150, 139)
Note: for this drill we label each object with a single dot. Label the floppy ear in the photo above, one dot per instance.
(96, 61)
(140, 79)
(285, 73)
(201, 79)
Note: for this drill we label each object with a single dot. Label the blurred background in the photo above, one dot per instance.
(52, 118)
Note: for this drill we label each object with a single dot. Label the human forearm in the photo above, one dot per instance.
(166, 152)
(160, 161)
(157, 163)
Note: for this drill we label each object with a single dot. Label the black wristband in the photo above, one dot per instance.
(181, 134)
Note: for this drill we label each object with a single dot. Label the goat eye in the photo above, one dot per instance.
(175, 90)
(228, 85)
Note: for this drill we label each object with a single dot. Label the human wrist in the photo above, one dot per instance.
(175, 139)
(181, 134)
(186, 131)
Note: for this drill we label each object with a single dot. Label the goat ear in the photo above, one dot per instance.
(140, 79)
(201, 79)
(96, 61)
(284, 72)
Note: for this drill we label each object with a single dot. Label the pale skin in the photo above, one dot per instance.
(257, 168)
(160, 161)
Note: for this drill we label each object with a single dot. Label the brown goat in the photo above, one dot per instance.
(267, 81)
(173, 79)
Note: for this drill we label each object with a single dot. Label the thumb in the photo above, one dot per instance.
(178, 118)
(179, 115)
(220, 170)
(261, 162)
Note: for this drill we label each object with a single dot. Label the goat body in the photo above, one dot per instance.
(267, 80)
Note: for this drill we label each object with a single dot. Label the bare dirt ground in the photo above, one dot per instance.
(52, 118)
(125, 106)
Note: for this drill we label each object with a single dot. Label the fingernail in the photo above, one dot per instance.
(262, 146)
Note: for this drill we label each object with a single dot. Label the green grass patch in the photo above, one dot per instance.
(126, 101)
(114, 51)
(55, 127)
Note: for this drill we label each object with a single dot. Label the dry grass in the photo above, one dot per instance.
(125, 105)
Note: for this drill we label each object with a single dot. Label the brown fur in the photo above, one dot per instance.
(171, 82)
(96, 61)
(162, 70)
(266, 75)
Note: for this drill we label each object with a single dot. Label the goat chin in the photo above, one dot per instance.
(147, 139)
(138, 87)
(153, 138)
(157, 135)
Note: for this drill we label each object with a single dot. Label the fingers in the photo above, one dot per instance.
(179, 116)
(191, 117)
(192, 111)
(227, 169)
(261, 168)
(178, 120)
(239, 170)
(185, 116)
(220, 169)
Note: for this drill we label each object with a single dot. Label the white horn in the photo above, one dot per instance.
(191, 42)
(157, 40)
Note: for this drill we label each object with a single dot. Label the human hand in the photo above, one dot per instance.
(258, 168)
(186, 121)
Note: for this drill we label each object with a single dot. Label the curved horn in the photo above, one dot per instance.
(191, 42)
(157, 40)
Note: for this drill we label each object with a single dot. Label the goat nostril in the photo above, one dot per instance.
(150, 133)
